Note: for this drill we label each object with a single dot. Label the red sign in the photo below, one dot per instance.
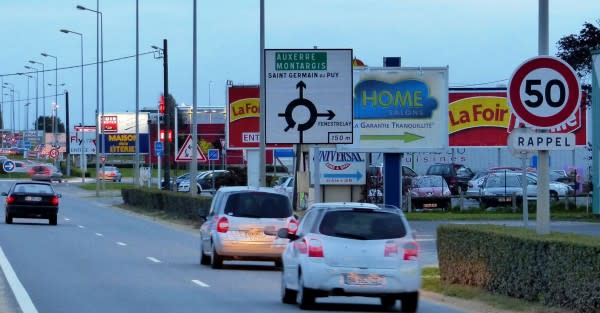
(109, 124)
(243, 113)
(544, 91)
(482, 118)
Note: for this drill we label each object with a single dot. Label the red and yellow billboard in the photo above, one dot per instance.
(482, 118)
(243, 118)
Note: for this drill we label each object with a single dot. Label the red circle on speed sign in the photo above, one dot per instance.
(53, 153)
(544, 91)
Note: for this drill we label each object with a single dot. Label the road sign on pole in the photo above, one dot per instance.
(185, 153)
(308, 96)
(158, 148)
(544, 92)
(8, 166)
(213, 154)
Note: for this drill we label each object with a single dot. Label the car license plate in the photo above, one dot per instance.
(28, 198)
(255, 234)
(430, 205)
(363, 279)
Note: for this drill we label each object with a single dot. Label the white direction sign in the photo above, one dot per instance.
(308, 96)
(522, 139)
(544, 92)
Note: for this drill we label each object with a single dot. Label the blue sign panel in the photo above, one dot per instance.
(158, 148)
(123, 143)
(8, 166)
(213, 154)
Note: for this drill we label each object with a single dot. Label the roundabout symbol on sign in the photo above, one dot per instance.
(291, 123)
(544, 91)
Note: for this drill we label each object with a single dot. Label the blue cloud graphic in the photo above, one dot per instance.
(407, 99)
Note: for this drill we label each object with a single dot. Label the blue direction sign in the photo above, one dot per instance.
(8, 166)
(158, 148)
(213, 154)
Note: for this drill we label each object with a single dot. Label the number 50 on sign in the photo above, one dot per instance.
(544, 92)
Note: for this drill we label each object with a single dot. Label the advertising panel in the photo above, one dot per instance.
(243, 118)
(123, 123)
(123, 143)
(482, 118)
(400, 110)
(340, 168)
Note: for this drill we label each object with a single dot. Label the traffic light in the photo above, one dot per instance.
(161, 105)
(162, 135)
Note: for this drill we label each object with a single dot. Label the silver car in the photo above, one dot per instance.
(351, 249)
(238, 222)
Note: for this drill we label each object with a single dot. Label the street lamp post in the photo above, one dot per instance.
(37, 128)
(43, 100)
(12, 99)
(55, 98)
(27, 103)
(82, 157)
(99, 37)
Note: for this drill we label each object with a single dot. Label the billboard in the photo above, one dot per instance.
(123, 143)
(123, 123)
(400, 110)
(243, 118)
(482, 118)
(339, 168)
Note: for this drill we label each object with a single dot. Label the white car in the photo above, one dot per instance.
(285, 184)
(351, 249)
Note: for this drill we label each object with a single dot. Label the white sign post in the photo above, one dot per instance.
(543, 92)
(308, 96)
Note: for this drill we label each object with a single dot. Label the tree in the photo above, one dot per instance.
(60, 127)
(575, 49)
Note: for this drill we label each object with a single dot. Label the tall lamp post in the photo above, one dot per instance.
(12, 99)
(37, 128)
(55, 97)
(27, 103)
(43, 99)
(82, 157)
(99, 54)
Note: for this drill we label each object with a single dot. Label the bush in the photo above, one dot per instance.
(558, 270)
(178, 205)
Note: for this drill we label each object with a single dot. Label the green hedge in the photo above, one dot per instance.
(561, 270)
(179, 205)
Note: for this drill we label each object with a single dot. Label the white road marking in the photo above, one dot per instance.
(18, 290)
(99, 234)
(155, 260)
(121, 243)
(67, 219)
(199, 283)
(80, 226)
(427, 239)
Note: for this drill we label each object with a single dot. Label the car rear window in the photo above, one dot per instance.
(362, 225)
(502, 181)
(33, 188)
(258, 205)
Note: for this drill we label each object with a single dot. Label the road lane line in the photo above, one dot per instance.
(67, 219)
(155, 260)
(121, 243)
(18, 290)
(81, 226)
(199, 283)
(99, 234)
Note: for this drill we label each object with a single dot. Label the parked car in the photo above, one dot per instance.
(45, 172)
(351, 249)
(205, 181)
(475, 183)
(111, 173)
(456, 175)
(31, 200)
(430, 192)
(236, 223)
(285, 184)
(498, 188)
(375, 174)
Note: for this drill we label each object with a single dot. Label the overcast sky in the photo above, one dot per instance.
(480, 41)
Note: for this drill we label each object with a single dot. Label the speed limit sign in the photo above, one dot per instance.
(544, 91)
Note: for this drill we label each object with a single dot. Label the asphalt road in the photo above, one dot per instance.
(102, 259)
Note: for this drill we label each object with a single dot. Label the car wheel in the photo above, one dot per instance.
(304, 296)
(388, 302)
(53, 220)
(204, 259)
(410, 302)
(288, 296)
(216, 261)
(553, 195)
(8, 219)
(279, 263)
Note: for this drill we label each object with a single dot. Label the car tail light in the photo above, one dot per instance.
(223, 225)
(391, 248)
(54, 201)
(411, 251)
(300, 245)
(452, 181)
(10, 200)
(315, 248)
(292, 225)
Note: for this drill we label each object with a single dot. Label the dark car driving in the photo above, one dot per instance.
(31, 199)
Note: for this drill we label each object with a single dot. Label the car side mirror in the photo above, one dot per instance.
(284, 233)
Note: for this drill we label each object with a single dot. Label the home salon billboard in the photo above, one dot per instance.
(400, 110)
